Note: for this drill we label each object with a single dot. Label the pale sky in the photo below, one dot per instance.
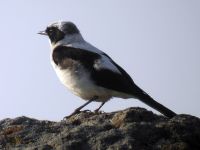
(156, 42)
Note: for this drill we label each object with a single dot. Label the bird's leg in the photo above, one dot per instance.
(77, 110)
(97, 110)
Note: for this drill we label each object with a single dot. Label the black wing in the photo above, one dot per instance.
(115, 81)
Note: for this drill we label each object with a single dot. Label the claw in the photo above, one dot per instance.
(98, 112)
(74, 113)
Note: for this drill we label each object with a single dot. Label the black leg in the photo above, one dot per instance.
(77, 110)
(96, 110)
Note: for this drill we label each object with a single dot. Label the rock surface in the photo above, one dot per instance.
(132, 128)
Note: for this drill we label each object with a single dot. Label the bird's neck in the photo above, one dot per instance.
(68, 39)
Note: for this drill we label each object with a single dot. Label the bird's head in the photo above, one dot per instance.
(59, 30)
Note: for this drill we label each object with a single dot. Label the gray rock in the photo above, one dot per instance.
(132, 128)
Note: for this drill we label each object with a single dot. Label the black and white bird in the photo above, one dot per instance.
(89, 72)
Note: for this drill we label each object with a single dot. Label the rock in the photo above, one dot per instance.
(132, 128)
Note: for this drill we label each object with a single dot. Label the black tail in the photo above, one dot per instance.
(144, 97)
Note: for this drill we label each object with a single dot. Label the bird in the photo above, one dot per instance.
(89, 72)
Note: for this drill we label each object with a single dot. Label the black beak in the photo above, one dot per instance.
(42, 33)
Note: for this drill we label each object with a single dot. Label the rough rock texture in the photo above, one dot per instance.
(132, 128)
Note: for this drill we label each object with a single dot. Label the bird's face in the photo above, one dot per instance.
(57, 31)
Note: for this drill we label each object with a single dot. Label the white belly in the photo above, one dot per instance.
(79, 83)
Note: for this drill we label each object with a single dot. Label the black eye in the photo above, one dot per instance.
(50, 30)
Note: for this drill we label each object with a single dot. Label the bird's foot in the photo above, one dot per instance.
(76, 112)
(98, 112)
